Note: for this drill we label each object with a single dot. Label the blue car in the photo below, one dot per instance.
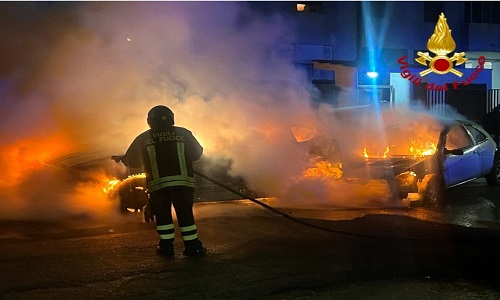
(416, 157)
(464, 151)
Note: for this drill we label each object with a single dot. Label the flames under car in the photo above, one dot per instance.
(459, 152)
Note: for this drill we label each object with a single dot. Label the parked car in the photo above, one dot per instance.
(127, 187)
(459, 151)
(491, 123)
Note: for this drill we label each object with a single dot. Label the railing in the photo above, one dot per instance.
(473, 104)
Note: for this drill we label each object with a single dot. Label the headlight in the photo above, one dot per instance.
(406, 179)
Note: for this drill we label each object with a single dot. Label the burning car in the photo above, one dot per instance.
(424, 162)
(128, 188)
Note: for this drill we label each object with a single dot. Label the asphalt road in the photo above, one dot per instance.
(405, 253)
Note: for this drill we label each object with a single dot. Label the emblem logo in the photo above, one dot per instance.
(441, 43)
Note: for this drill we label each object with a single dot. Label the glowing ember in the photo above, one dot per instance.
(325, 169)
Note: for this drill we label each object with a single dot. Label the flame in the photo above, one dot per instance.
(366, 153)
(416, 149)
(324, 169)
(386, 152)
(441, 42)
(426, 149)
(109, 185)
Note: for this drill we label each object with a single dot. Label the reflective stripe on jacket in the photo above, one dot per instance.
(167, 156)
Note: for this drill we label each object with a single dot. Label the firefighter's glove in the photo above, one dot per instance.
(117, 158)
(149, 215)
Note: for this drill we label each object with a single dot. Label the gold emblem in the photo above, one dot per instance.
(441, 43)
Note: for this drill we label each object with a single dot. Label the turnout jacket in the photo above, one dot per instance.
(166, 156)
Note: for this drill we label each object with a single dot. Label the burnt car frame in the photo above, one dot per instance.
(127, 187)
(464, 151)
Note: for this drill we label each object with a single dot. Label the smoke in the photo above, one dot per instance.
(84, 75)
(80, 77)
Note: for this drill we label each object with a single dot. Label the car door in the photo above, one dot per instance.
(460, 168)
(487, 149)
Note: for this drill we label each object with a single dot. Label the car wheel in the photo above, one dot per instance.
(132, 194)
(493, 178)
(434, 193)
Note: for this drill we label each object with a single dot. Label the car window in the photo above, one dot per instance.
(458, 138)
(478, 136)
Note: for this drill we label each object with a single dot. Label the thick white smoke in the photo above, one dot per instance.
(92, 71)
(84, 75)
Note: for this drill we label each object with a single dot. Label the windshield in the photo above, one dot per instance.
(409, 140)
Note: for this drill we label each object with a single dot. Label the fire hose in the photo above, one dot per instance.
(277, 211)
(302, 222)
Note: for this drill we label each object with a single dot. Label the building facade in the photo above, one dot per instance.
(339, 42)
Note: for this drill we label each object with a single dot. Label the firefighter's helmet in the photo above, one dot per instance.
(160, 116)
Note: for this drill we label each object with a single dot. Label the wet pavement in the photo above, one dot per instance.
(254, 253)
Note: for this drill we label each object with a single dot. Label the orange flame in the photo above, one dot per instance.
(416, 150)
(426, 149)
(109, 185)
(366, 153)
(324, 169)
(386, 152)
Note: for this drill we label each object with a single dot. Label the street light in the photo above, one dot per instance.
(372, 74)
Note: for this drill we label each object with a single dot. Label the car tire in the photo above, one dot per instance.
(493, 178)
(132, 194)
(434, 195)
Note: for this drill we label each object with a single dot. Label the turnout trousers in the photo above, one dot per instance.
(181, 198)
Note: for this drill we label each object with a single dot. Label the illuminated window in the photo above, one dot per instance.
(301, 7)
(308, 6)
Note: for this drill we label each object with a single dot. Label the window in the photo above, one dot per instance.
(479, 137)
(457, 138)
(432, 10)
(482, 12)
(308, 6)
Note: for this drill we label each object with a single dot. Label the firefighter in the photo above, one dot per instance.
(167, 153)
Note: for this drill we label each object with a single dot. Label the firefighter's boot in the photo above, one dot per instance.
(194, 248)
(165, 249)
